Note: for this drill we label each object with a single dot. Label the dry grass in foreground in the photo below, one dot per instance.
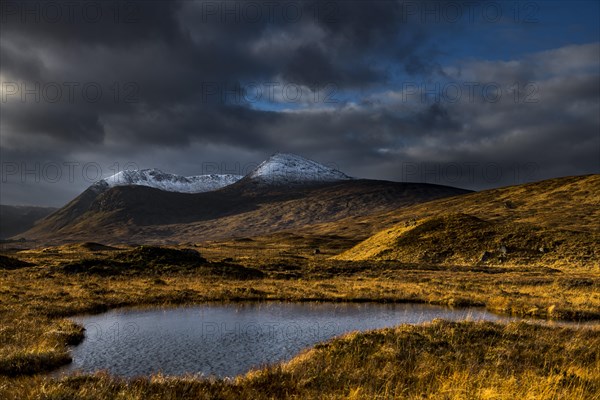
(448, 360)
(442, 360)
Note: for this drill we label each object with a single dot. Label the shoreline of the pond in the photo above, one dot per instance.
(162, 308)
(500, 318)
(462, 304)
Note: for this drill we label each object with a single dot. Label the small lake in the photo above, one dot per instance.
(230, 339)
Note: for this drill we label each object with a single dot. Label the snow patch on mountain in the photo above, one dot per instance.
(157, 179)
(279, 169)
(285, 168)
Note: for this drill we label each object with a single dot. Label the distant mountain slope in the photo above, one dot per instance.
(553, 222)
(136, 213)
(284, 192)
(17, 219)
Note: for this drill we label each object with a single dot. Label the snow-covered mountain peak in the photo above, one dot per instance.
(279, 169)
(286, 168)
(173, 183)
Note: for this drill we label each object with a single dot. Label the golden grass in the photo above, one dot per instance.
(462, 239)
(552, 223)
(35, 300)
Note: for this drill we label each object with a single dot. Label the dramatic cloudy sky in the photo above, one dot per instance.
(471, 94)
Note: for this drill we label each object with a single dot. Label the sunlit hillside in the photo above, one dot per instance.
(553, 223)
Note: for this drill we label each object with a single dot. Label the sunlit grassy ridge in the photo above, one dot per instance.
(552, 223)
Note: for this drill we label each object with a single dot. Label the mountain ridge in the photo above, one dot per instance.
(146, 214)
(157, 179)
(279, 169)
(285, 191)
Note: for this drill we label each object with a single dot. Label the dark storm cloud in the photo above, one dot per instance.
(58, 122)
(158, 60)
(548, 128)
(171, 75)
(91, 23)
(217, 124)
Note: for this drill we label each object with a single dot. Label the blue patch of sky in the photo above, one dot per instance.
(492, 30)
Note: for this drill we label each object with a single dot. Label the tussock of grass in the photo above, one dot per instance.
(27, 363)
(12, 263)
(156, 260)
(35, 345)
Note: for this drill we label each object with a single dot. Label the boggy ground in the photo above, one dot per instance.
(438, 360)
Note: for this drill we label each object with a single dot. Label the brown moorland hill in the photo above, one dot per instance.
(136, 214)
(553, 222)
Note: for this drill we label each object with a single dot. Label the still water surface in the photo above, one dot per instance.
(230, 339)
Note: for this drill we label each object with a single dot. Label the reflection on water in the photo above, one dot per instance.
(231, 339)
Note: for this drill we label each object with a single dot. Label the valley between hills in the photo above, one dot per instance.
(530, 250)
